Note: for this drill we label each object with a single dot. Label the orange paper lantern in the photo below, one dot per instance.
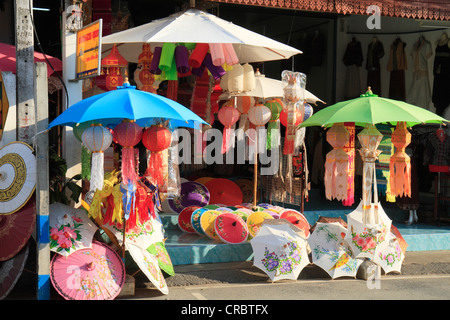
(400, 162)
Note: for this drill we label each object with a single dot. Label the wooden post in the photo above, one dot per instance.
(42, 184)
(26, 128)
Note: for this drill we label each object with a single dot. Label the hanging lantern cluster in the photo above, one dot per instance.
(114, 66)
(127, 201)
(336, 163)
(400, 162)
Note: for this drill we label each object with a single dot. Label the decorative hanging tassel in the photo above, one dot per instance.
(114, 212)
(129, 205)
(336, 163)
(100, 196)
(273, 128)
(400, 162)
(349, 148)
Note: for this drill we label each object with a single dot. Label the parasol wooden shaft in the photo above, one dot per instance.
(255, 174)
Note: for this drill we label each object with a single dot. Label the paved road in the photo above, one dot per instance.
(423, 287)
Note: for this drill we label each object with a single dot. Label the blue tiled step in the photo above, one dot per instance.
(186, 248)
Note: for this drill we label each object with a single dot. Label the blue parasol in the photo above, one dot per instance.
(110, 108)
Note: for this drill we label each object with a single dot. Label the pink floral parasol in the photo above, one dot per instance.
(88, 274)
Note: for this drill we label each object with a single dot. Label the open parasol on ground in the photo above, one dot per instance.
(144, 107)
(297, 219)
(191, 194)
(17, 176)
(148, 264)
(331, 252)
(16, 229)
(389, 255)
(224, 191)
(70, 229)
(196, 26)
(279, 252)
(231, 228)
(97, 273)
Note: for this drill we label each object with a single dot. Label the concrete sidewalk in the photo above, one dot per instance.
(415, 263)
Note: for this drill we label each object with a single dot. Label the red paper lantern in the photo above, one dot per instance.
(228, 116)
(156, 139)
(112, 65)
(298, 117)
(128, 133)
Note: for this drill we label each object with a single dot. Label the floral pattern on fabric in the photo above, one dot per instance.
(286, 262)
(65, 237)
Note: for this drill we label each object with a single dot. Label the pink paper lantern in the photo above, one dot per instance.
(228, 115)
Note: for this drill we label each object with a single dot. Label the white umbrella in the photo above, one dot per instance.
(269, 88)
(279, 251)
(389, 255)
(330, 251)
(196, 26)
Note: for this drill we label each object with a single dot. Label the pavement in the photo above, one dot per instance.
(415, 263)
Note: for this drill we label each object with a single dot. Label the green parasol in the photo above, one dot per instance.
(369, 108)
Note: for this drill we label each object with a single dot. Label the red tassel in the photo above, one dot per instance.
(155, 168)
(128, 165)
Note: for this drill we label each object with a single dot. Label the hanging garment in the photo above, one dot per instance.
(397, 65)
(441, 72)
(439, 149)
(375, 52)
(420, 91)
(353, 59)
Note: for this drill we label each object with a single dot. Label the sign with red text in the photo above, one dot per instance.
(88, 61)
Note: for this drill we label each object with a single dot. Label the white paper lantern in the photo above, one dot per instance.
(97, 139)
(236, 79)
(249, 78)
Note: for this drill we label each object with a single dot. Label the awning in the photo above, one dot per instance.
(419, 9)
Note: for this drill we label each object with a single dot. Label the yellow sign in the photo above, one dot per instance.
(4, 105)
(88, 50)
